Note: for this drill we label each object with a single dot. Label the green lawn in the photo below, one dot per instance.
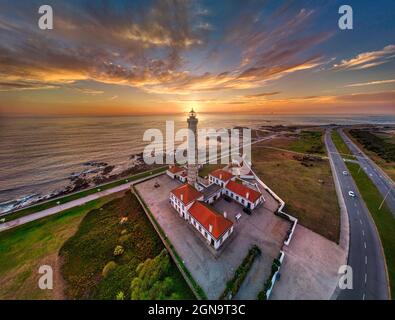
(92, 247)
(309, 142)
(84, 193)
(341, 146)
(25, 248)
(383, 218)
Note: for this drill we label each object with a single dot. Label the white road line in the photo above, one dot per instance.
(360, 221)
(363, 232)
(366, 277)
(363, 297)
(364, 244)
(366, 259)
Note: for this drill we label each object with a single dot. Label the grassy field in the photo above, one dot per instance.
(92, 247)
(370, 149)
(309, 141)
(341, 146)
(383, 218)
(25, 248)
(71, 197)
(306, 186)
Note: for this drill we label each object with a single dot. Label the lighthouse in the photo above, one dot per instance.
(192, 148)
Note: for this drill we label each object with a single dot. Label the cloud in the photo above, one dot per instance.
(368, 59)
(148, 47)
(263, 94)
(378, 82)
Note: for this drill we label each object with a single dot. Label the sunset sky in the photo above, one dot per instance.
(145, 57)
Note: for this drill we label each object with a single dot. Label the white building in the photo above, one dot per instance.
(214, 227)
(220, 177)
(246, 196)
(176, 172)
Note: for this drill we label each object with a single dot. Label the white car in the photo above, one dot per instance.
(351, 194)
(345, 173)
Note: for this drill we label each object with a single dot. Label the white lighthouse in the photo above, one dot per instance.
(192, 148)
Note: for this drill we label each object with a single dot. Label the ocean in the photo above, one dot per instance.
(39, 154)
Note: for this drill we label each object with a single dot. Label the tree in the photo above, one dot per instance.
(153, 281)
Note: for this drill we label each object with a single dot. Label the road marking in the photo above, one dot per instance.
(364, 244)
(363, 232)
(360, 221)
(358, 212)
(366, 277)
(366, 259)
(363, 297)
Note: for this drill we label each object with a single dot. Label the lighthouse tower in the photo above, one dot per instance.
(192, 148)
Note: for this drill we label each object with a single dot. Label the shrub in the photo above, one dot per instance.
(268, 283)
(118, 251)
(108, 267)
(233, 285)
(153, 281)
(120, 295)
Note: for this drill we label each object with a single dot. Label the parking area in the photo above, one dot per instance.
(262, 228)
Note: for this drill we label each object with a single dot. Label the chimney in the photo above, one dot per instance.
(210, 228)
(182, 197)
(247, 195)
(225, 215)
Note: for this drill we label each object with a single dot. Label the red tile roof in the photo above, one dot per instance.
(242, 190)
(187, 193)
(175, 169)
(222, 174)
(206, 216)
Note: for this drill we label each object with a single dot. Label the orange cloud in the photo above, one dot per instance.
(368, 59)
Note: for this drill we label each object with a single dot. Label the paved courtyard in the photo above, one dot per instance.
(262, 228)
(310, 267)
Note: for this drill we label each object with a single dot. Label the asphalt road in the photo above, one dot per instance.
(383, 183)
(68, 205)
(365, 252)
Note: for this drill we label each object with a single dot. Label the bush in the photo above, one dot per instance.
(118, 251)
(108, 267)
(153, 281)
(120, 295)
(268, 283)
(233, 285)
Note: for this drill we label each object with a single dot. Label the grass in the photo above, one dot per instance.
(207, 168)
(25, 248)
(341, 147)
(309, 142)
(87, 252)
(307, 187)
(370, 147)
(383, 218)
(78, 195)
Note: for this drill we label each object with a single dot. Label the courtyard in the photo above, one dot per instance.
(211, 272)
